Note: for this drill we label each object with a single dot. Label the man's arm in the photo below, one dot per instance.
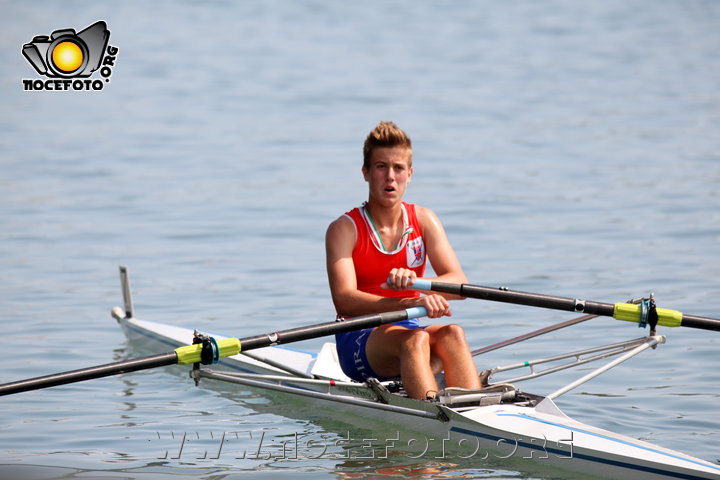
(442, 257)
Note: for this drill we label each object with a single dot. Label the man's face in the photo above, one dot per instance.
(389, 173)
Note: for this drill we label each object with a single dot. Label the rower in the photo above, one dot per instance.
(374, 253)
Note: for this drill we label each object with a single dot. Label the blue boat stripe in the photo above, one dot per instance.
(581, 456)
(605, 437)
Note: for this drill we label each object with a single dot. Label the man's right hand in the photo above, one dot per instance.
(436, 305)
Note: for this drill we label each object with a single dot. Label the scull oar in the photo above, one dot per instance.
(212, 350)
(629, 312)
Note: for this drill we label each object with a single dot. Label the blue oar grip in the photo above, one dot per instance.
(416, 312)
(422, 284)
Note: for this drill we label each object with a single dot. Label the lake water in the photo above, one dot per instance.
(570, 148)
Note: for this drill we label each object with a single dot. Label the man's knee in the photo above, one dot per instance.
(415, 340)
(452, 333)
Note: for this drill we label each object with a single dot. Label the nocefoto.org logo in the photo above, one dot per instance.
(67, 58)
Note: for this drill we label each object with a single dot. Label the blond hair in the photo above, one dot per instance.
(385, 134)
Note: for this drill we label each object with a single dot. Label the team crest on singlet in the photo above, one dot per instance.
(415, 250)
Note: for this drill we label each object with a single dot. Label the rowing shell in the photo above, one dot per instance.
(502, 422)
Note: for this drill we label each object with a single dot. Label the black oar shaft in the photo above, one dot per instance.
(191, 354)
(329, 328)
(98, 371)
(704, 323)
(668, 317)
(525, 298)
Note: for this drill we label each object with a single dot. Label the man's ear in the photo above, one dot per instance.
(365, 173)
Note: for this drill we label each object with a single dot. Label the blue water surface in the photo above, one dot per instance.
(570, 148)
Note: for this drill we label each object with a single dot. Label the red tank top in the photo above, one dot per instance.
(373, 263)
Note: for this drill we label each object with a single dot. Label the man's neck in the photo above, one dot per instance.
(384, 217)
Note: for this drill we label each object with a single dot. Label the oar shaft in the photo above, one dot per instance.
(704, 323)
(99, 371)
(329, 328)
(229, 346)
(620, 311)
(519, 298)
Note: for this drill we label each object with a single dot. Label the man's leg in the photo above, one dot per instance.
(393, 350)
(448, 343)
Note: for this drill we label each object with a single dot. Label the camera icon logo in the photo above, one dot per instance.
(68, 54)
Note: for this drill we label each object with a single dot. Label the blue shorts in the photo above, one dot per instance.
(351, 351)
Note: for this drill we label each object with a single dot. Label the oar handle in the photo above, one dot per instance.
(422, 284)
(620, 311)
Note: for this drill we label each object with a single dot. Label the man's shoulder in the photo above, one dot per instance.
(343, 219)
(341, 236)
(341, 225)
(429, 222)
(424, 214)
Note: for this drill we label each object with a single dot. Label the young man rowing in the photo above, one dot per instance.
(374, 253)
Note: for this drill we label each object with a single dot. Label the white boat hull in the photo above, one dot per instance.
(541, 433)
